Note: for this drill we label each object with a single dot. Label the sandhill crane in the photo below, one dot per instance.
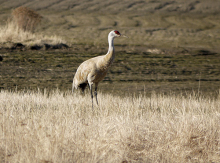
(93, 70)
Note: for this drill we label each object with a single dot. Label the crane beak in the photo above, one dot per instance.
(124, 36)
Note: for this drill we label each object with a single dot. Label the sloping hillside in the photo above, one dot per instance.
(151, 23)
(116, 7)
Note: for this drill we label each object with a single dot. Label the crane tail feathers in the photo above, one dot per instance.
(73, 87)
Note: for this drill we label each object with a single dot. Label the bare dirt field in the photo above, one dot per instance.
(130, 72)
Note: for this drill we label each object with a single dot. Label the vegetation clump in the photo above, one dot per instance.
(26, 19)
(20, 30)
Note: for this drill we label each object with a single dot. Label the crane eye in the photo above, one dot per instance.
(116, 32)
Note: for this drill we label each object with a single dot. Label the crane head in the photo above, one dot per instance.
(116, 33)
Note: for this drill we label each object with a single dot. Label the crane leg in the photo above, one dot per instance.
(96, 87)
(90, 86)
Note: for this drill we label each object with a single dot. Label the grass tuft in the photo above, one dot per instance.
(20, 29)
(11, 33)
(26, 19)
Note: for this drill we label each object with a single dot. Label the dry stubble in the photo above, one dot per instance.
(60, 127)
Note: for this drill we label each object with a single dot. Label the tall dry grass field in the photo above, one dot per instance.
(60, 127)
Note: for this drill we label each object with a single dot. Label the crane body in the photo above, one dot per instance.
(93, 70)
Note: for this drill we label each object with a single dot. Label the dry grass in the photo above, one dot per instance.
(20, 29)
(11, 33)
(60, 127)
(26, 19)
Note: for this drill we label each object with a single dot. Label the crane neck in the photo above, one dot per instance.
(109, 57)
(110, 44)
